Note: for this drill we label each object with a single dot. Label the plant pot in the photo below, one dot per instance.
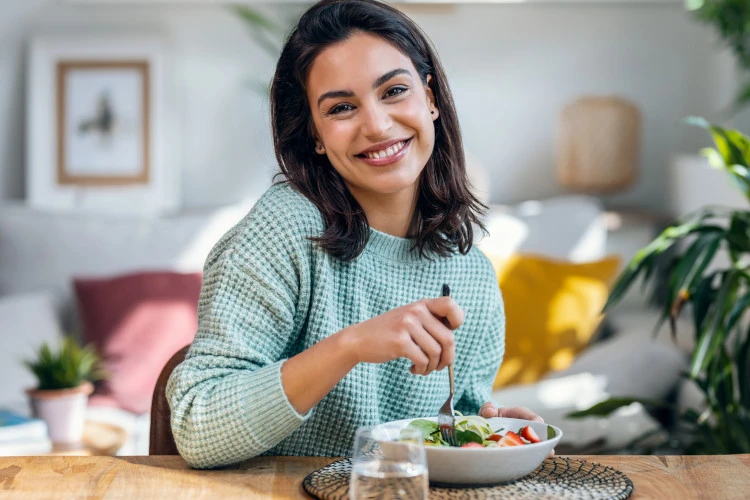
(64, 411)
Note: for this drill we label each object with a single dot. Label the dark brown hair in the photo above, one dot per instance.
(446, 209)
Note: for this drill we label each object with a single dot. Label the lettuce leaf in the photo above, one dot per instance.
(427, 427)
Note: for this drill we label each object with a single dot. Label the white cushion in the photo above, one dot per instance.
(26, 321)
(553, 399)
(564, 227)
(630, 364)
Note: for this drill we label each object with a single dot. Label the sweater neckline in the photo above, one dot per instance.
(392, 247)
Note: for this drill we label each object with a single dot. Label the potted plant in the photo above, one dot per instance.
(64, 381)
(716, 292)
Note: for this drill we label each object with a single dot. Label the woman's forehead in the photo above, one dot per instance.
(355, 63)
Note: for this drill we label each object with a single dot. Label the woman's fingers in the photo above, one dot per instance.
(429, 346)
(444, 337)
(446, 307)
(488, 410)
(519, 412)
(416, 355)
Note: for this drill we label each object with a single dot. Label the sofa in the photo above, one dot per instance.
(50, 262)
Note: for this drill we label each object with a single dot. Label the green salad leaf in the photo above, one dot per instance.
(464, 437)
(550, 432)
(427, 427)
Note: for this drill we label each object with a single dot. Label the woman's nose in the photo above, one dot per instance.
(376, 121)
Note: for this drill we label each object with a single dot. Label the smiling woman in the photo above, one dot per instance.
(320, 311)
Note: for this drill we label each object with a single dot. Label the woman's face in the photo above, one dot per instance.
(372, 114)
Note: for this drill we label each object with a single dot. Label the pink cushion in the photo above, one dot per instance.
(137, 322)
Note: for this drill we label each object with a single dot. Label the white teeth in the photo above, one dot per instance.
(392, 150)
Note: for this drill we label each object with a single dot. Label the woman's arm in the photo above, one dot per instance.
(413, 331)
(227, 399)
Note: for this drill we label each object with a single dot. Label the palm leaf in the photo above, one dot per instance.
(732, 153)
(645, 258)
(721, 375)
(738, 235)
(742, 358)
(713, 334)
(694, 262)
(608, 406)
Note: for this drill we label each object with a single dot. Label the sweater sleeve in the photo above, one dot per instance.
(227, 399)
(490, 350)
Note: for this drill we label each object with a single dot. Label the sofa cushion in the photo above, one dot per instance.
(632, 364)
(569, 227)
(552, 309)
(136, 321)
(553, 399)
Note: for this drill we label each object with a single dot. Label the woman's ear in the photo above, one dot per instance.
(431, 104)
(319, 148)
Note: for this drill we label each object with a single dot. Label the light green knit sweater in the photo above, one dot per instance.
(269, 293)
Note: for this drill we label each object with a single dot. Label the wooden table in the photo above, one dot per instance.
(161, 477)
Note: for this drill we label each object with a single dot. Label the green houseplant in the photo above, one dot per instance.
(64, 383)
(716, 294)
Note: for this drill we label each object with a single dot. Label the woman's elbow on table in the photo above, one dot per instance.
(204, 446)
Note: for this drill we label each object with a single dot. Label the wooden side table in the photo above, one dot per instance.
(99, 438)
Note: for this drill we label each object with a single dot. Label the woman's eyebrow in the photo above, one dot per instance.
(348, 93)
(398, 71)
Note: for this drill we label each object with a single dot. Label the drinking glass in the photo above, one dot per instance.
(389, 462)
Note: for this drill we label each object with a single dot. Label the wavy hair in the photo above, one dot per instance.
(446, 209)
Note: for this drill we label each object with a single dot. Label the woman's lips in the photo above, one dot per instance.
(379, 162)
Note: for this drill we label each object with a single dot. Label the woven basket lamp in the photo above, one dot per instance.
(598, 147)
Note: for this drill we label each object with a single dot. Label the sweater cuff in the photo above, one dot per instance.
(268, 407)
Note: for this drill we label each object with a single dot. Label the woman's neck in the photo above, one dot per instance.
(390, 214)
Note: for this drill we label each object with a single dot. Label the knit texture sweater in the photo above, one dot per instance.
(270, 293)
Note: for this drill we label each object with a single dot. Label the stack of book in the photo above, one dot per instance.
(21, 435)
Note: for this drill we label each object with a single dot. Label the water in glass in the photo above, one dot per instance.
(389, 462)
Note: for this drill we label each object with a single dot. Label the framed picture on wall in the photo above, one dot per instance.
(99, 126)
(102, 123)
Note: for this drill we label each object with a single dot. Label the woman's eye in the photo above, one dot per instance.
(340, 108)
(395, 91)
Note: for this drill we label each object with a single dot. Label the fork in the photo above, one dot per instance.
(446, 417)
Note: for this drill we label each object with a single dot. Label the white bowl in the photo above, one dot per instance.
(476, 466)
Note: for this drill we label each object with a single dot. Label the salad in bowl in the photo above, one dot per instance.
(474, 431)
(490, 450)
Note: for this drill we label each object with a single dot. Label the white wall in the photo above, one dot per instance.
(512, 68)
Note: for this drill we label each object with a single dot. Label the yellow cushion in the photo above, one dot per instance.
(552, 309)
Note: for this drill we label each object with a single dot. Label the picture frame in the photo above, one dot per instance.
(100, 125)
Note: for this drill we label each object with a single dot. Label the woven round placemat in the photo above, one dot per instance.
(557, 477)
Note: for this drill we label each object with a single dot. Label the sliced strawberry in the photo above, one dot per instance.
(472, 445)
(495, 437)
(511, 439)
(529, 434)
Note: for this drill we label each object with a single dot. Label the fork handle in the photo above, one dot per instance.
(446, 292)
(450, 377)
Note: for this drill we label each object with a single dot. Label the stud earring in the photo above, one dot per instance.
(320, 149)
(432, 112)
